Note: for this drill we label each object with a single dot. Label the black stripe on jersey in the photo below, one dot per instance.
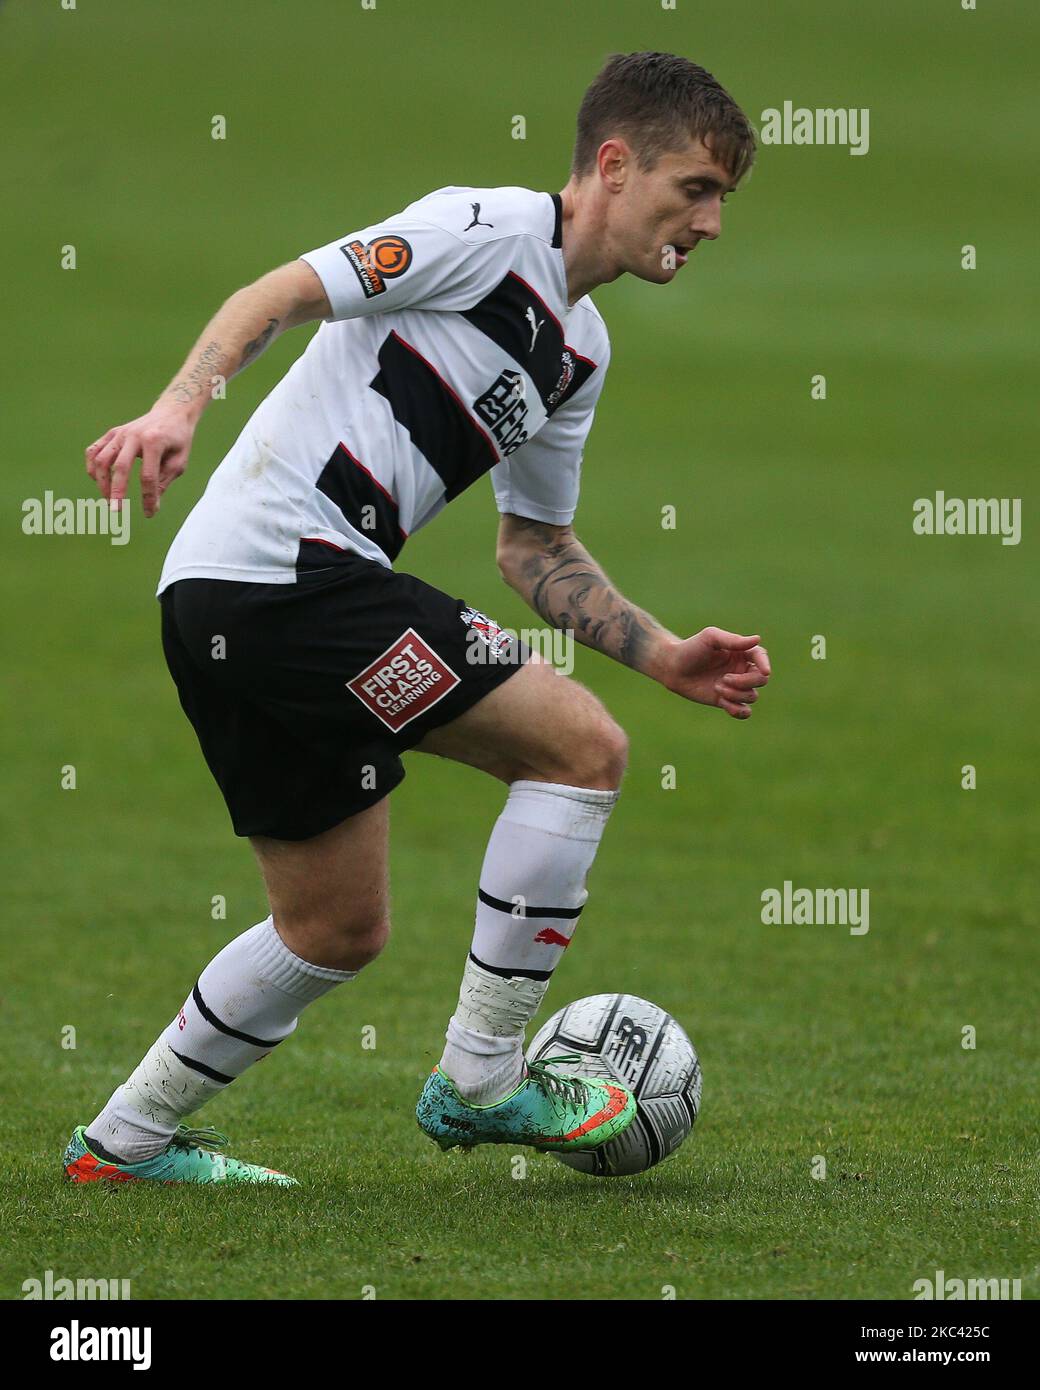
(557, 238)
(214, 1022)
(515, 317)
(441, 427)
(346, 482)
(511, 974)
(514, 910)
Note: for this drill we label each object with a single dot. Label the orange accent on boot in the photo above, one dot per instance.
(617, 1103)
(87, 1168)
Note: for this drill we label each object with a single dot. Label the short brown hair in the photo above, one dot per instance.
(658, 101)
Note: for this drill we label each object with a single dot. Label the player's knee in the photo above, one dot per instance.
(337, 940)
(364, 940)
(602, 757)
(594, 755)
(583, 745)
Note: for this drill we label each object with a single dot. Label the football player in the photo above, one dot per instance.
(457, 339)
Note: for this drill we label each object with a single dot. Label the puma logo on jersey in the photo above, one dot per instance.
(476, 218)
(534, 326)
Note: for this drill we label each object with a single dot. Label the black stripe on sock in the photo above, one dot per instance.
(214, 1022)
(511, 974)
(501, 905)
(99, 1151)
(203, 1069)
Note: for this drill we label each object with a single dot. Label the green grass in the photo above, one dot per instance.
(794, 520)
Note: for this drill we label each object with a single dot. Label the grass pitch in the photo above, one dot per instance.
(794, 519)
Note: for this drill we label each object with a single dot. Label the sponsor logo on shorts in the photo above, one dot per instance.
(407, 680)
(382, 259)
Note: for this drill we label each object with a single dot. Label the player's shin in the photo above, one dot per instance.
(246, 1001)
(532, 891)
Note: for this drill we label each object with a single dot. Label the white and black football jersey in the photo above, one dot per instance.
(450, 352)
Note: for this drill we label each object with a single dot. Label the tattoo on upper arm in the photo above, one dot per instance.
(256, 345)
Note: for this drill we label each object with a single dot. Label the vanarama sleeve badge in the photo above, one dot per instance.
(384, 258)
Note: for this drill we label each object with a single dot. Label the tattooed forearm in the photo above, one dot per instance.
(198, 378)
(256, 345)
(564, 584)
(211, 363)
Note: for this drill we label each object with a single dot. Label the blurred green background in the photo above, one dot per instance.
(794, 519)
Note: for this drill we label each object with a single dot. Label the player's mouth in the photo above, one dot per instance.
(682, 253)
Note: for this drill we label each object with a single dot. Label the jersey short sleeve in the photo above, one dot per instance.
(402, 262)
(542, 478)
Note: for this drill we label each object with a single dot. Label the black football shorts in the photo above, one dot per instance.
(303, 696)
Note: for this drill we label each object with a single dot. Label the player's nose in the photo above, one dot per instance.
(708, 222)
(708, 226)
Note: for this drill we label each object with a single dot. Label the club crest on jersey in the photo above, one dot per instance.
(566, 377)
(407, 680)
(503, 409)
(384, 258)
(488, 630)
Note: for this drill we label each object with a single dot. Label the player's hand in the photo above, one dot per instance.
(717, 668)
(161, 440)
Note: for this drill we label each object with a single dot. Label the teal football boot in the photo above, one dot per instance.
(192, 1155)
(551, 1111)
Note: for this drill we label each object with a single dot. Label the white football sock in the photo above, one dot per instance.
(532, 891)
(484, 1053)
(247, 1000)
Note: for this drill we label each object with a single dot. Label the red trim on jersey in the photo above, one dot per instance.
(372, 479)
(389, 496)
(317, 540)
